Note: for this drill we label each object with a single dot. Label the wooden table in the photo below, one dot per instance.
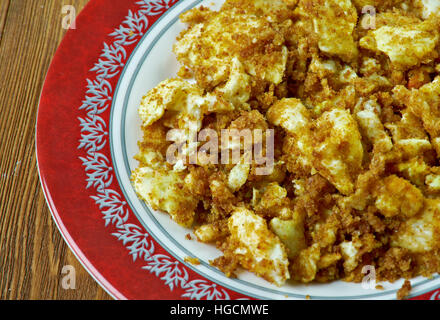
(32, 251)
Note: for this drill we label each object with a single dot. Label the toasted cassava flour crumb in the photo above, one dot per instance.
(404, 292)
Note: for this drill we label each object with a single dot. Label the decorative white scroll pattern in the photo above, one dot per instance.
(97, 166)
(435, 295)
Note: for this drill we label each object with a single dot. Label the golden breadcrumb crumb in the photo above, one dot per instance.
(193, 261)
(405, 291)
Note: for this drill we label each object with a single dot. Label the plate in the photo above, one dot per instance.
(87, 133)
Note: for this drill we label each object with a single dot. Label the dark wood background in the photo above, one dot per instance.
(32, 251)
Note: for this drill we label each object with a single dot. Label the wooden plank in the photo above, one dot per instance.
(32, 252)
(4, 5)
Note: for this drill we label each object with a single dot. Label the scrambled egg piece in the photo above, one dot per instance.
(334, 38)
(237, 89)
(306, 266)
(372, 127)
(396, 196)
(409, 135)
(209, 48)
(273, 202)
(291, 234)
(433, 182)
(407, 45)
(428, 7)
(292, 116)
(182, 98)
(350, 253)
(258, 249)
(164, 190)
(415, 170)
(425, 103)
(421, 233)
(239, 174)
(212, 232)
(322, 149)
(338, 151)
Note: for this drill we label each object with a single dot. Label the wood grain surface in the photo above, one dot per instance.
(32, 251)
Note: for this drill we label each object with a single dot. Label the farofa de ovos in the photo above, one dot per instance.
(356, 116)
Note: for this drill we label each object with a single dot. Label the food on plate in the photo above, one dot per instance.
(346, 117)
